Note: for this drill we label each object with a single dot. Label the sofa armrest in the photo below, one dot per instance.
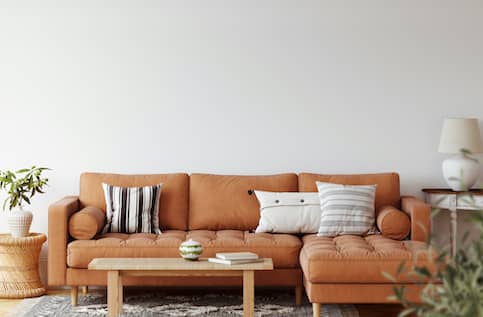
(59, 214)
(420, 214)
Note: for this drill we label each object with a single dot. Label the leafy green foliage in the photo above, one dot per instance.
(455, 288)
(22, 185)
(458, 291)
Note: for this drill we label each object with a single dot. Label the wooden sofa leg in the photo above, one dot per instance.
(73, 295)
(316, 309)
(84, 290)
(298, 295)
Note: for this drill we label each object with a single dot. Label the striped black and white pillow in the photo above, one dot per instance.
(132, 209)
(346, 209)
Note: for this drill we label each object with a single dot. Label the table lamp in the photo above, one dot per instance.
(460, 136)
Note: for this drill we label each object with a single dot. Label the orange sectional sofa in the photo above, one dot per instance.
(221, 212)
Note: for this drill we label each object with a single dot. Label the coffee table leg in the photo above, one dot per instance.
(248, 293)
(113, 293)
(120, 287)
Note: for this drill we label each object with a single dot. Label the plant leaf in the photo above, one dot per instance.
(389, 276)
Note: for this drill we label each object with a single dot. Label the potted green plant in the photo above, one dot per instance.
(20, 186)
(459, 288)
(459, 292)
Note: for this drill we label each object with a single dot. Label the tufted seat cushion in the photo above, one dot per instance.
(282, 248)
(355, 259)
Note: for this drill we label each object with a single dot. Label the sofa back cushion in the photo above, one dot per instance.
(173, 207)
(387, 190)
(219, 202)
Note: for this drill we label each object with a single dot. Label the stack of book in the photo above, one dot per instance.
(236, 258)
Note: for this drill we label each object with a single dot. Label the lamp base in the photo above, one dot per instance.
(461, 172)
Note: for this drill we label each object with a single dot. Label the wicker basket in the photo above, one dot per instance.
(19, 266)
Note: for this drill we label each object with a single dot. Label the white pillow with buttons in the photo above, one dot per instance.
(288, 212)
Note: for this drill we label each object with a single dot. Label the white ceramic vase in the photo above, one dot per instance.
(19, 222)
(190, 250)
(461, 172)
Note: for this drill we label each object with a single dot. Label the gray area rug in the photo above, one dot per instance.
(157, 303)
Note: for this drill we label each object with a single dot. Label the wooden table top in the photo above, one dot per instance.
(172, 264)
(473, 191)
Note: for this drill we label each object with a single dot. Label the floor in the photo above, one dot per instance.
(367, 310)
(6, 305)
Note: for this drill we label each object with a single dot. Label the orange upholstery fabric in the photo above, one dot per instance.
(420, 214)
(393, 223)
(277, 277)
(86, 223)
(173, 207)
(219, 202)
(340, 293)
(354, 259)
(387, 191)
(282, 248)
(344, 269)
(59, 213)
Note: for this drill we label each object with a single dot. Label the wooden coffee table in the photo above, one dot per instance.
(119, 267)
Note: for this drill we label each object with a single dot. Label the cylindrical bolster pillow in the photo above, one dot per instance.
(86, 223)
(393, 223)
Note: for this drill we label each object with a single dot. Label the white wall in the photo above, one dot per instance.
(243, 87)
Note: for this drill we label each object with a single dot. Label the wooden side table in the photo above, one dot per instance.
(19, 266)
(447, 199)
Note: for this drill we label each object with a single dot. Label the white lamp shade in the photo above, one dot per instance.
(460, 133)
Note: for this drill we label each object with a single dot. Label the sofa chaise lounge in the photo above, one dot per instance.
(221, 212)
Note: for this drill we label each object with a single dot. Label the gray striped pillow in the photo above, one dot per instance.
(346, 209)
(132, 209)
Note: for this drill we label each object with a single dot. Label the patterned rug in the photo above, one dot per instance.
(157, 303)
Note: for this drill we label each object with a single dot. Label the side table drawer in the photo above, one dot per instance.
(442, 201)
(445, 201)
(470, 203)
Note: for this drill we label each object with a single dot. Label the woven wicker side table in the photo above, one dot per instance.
(19, 266)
